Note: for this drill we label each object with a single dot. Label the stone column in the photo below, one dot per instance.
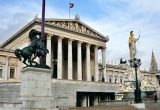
(88, 69)
(84, 101)
(79, 61)
(113, 78)
(88, 101)
(95, 100)
(48, 57)
(70, 73)
(104, 61)
(59, 63)
(6, 69)
(96, 63)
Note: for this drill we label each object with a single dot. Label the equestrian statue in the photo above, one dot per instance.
(34, 50)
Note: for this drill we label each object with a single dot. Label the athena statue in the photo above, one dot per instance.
(132, 45)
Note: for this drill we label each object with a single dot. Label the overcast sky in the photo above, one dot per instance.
(115, 18)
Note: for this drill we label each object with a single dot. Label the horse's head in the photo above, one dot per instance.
(33, 33)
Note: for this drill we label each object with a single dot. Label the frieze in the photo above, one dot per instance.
(75, 26)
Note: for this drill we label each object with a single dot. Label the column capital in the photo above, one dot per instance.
(70, 40)
(7, 57)
(104, 48)
(80, 42)
(60, 37)
(88, 44)
(95, 47)
(49, 34)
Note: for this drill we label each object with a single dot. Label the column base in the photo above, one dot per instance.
(138, 98)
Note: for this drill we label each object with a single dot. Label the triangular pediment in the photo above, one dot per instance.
(68, 24)
(77, 26)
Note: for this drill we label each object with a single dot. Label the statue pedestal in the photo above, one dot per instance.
(36, 89)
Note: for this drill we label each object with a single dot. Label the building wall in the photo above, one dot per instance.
(64, 91)
(8, 61)
(10, 92)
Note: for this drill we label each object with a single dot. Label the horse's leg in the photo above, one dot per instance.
(35, 55)
(24, 61)
(30, 60)
(35, 62)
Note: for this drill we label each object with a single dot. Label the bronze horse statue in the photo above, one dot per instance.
(36, 48)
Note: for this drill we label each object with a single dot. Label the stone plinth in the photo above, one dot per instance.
(36, 89)
(139, 106)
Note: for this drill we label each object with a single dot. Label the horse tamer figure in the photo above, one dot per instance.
(35, 49)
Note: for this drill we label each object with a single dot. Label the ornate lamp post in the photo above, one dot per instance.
(135, 63)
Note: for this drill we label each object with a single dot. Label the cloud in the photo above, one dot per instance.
(19, 15)
(118, 18)
(149, 6)
(118, 25)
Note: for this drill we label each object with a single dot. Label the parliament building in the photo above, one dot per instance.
(78, 78)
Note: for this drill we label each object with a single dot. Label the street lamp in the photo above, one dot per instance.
(135, 63)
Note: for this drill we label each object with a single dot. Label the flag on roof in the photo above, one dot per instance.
(71, 5)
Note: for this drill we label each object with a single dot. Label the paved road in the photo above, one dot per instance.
(149, 106)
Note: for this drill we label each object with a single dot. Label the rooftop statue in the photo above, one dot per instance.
(132, 45)
(123, 62)
(34, 50)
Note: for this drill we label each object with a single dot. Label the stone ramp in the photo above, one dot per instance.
(109, 107)
(153, 106)
(149, 106)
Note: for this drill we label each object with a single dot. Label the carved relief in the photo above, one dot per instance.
(63, 24)
(83, 29)
(72, 27)
(58, 24)
(92, 34)
(53, 23)
(75, 26)
(88, 32)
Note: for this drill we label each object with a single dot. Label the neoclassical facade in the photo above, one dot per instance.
(78, 79)
(73, 48)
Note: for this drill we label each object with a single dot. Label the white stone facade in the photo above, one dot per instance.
(73, 57)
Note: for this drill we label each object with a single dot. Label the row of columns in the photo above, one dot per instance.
(113, 79)
(79, 60)
(6, 72)
(96, 100)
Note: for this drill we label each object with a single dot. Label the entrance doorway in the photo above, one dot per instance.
(87, 99)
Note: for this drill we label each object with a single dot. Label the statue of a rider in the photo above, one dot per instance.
(34, 50)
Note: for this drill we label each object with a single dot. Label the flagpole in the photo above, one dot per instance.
(42, 37)
(43, 20)
(69, 10)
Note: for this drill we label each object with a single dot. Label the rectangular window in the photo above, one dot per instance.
(1, 70)
(115, 81)
(120, 80)
(12, 72)
(110, 80)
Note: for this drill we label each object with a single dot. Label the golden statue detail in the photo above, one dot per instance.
(132, 45)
